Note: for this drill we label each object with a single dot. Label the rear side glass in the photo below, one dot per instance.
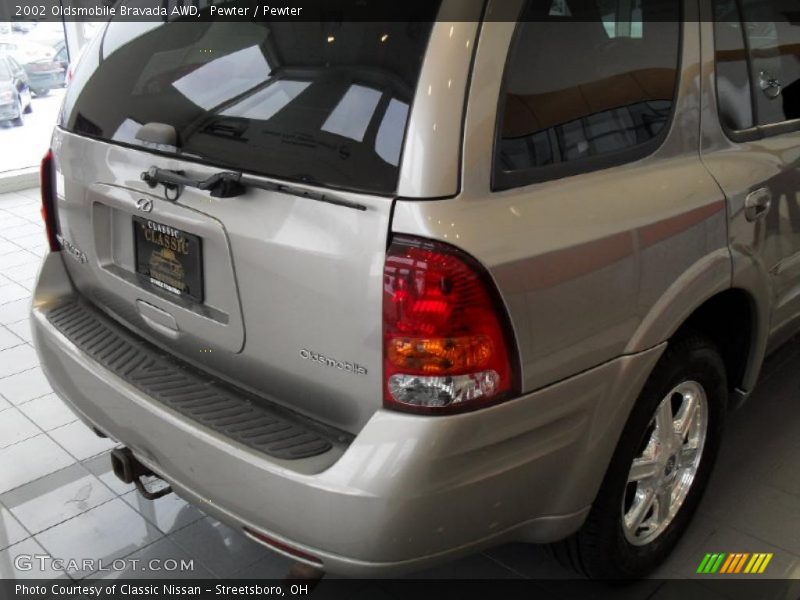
(321, 103)
(773, 37)
(588, 84)
(733, 79)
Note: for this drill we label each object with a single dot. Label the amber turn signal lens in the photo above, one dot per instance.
(441, 356)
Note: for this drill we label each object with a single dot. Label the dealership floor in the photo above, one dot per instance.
(58, 495)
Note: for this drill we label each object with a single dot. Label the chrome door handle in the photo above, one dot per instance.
(757, 204)
(770, 85)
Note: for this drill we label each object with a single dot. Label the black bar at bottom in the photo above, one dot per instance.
(711, 588)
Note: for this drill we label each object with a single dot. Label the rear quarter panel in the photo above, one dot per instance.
(595, 265)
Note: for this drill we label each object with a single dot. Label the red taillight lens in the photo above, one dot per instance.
(47, 175)
(280, 546)
(447, 346)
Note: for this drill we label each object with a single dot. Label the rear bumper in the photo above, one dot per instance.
(407, 492)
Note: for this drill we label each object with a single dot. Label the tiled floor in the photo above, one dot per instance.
(59, 497)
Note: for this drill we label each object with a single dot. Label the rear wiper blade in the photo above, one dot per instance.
(228, 184)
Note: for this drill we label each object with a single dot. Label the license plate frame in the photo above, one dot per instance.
(168, 259)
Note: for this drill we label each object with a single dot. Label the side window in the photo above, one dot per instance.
(734, 94)
(773, 35)
(588, 84)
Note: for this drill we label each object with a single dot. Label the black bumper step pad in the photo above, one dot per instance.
(273, 430)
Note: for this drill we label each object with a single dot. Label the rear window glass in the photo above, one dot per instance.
(588, 83)
(319, 103)
(5, 73)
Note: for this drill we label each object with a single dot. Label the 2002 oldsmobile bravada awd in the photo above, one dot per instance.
(381, 294)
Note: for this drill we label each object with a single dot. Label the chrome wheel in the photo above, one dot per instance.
(661, 476)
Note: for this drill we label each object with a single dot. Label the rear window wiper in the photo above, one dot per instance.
(228, 184)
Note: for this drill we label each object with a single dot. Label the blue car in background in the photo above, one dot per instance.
(15, 92)
(42, 65)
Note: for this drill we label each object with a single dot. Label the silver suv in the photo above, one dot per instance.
(379, 294)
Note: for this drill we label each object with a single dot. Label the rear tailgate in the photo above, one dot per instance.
(291, 286)
(278, 293)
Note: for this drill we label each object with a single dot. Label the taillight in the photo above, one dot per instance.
(47, 182)
(447, 346)
(280, 546)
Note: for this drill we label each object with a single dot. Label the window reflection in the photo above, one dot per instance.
(264, 103)
(600, 133)
(126, 132)
(270, 98)
(240, 71)
(773, 35)
(353, 113)
(733, 80)
(587, 79)
(390, 133)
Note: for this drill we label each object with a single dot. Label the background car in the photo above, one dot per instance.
(45, 71)
(22, 27)
(62, 59)
(15, 94)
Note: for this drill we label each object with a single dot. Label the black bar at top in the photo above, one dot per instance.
(311, 10)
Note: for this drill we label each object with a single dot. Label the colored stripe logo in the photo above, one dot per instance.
(735, 563)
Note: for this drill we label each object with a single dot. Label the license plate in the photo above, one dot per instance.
(168, 258)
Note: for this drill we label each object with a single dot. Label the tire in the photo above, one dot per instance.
(604, 548)
(18, 122)
(29, 108)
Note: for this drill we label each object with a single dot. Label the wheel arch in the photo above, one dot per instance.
(733, 314)
(731, 320)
